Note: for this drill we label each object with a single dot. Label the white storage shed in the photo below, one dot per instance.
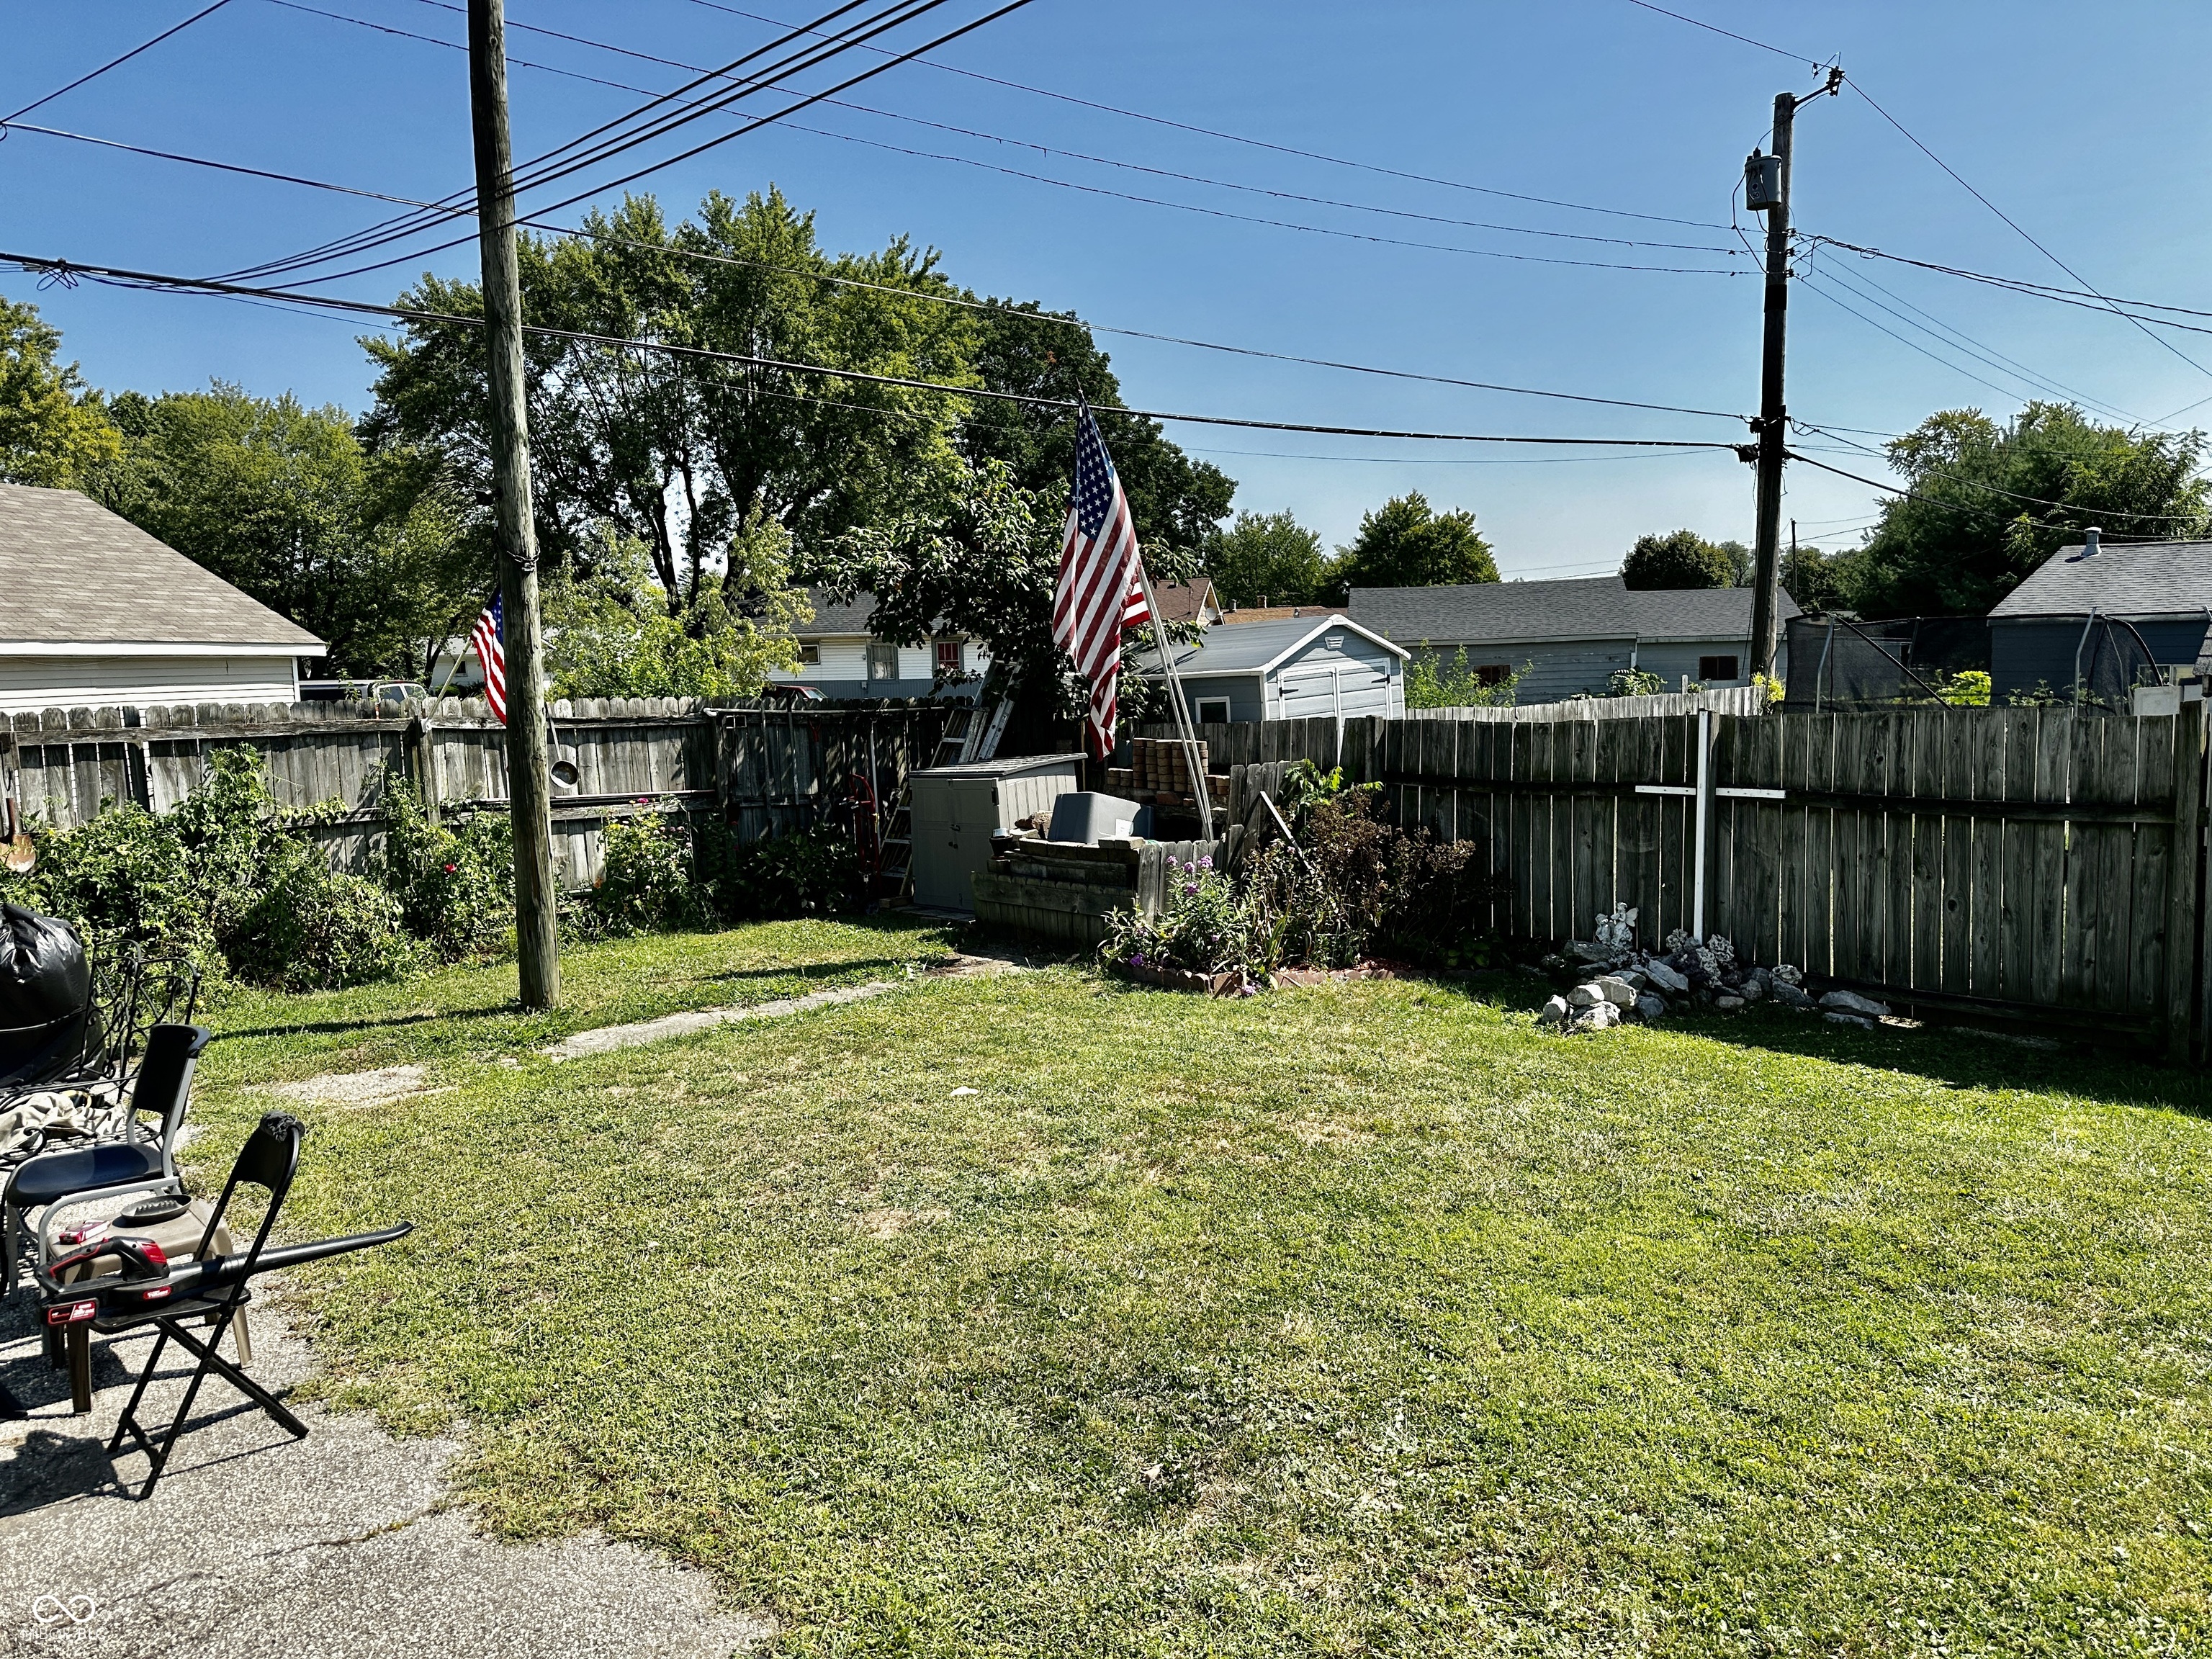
(1287, 670)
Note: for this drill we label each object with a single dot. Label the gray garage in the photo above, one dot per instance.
(1286, 670)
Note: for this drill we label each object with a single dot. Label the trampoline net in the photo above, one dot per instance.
(1843, 667)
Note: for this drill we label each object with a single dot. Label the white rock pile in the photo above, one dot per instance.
(1627, 983)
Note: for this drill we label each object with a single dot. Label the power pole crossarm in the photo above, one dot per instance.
(537, 940)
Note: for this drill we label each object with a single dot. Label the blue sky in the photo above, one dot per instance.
(2087, 127)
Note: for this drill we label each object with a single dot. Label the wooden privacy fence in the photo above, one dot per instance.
(2011, 861)
(768, 772)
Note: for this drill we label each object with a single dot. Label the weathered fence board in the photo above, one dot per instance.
(2004, 860)
(768, 770)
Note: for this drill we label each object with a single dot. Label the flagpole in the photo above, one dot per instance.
(1198, 783)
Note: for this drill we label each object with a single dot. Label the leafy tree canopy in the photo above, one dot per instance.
(53, 429)
(283, 501)
(612, 633)
(1406, 543)
(1267, 558)
(1977, 521)
(674, 453)
(1685, 559)
(1176, 501)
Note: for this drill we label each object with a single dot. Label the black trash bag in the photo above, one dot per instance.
(44, 977)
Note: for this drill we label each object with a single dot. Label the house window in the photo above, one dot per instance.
(1717, 668)
(949, 653)
(1213, 711)
(810, 656)
(883, 660)
(1493, 673)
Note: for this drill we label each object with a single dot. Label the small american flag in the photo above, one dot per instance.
(1099, 593)
(488, 638)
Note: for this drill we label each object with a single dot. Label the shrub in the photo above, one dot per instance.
(1205, 927)
(316, 928)
(1356, 883)
(454, 886)
(1434, 681)
(1633, 683)
(645, 883)
(815, 872)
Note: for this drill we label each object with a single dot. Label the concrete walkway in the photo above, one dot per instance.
(341, 1546)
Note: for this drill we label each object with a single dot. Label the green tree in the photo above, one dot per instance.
(1406, 543)
(283, 501)
(612, 633)
(1685, 559)
(1176, 501)
(675, 452)
(1267, 558)
(53, 429)
(1990, 502)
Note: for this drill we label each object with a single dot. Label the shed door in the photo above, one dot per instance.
(953, 841)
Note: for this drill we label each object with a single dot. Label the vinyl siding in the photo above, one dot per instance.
(846, 658)
(1555, 669)
(1673, 659)
(89, 682)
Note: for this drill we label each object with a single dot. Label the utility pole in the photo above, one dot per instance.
(1766, 188)
(537, 933)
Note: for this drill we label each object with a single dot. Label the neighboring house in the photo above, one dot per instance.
(1252, 613)
(1190, 602)
(1572, 636)
(2163, 590)
(1287, 670)
(95, 612)
(839, 656)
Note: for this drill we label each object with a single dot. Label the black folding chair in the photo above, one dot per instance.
(269, 1160)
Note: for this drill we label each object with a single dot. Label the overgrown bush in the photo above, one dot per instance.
(816, 872)
(455, 885)
(1355, 884)
(315, 927)
(647, 880)
(1206, 927)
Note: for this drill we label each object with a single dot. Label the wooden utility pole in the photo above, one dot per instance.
(1773, 413)
(537, 933)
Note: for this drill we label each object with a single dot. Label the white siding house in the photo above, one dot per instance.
(841, 657)
(93, 612)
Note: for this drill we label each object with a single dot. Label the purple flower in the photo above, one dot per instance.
(1137, 959)
(1205, 864)
(1190, 888)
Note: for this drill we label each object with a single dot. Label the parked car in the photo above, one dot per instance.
(361, 691)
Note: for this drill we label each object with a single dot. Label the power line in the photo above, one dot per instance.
(703, 255)
(66, 269)
(2139, 325)
(113, 63)
(2016, 284)
(1859, 282)
(1820, 288)
(1258, 143)
(2034, 500)
(1019, 144)
(394, 229)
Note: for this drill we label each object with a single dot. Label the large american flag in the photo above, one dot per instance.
(489, 638)
(1099, 593)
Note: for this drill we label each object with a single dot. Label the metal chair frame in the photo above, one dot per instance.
(269, 1160)
(14, 1233)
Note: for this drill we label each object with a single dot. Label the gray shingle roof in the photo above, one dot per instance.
(1243, 649)
(1583, 608)
(833, 619)
(71, 571)
(2143, 579)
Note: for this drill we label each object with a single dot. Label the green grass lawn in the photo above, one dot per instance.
(1355, 1320)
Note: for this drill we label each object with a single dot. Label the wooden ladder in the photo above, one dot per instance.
(969, 735)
